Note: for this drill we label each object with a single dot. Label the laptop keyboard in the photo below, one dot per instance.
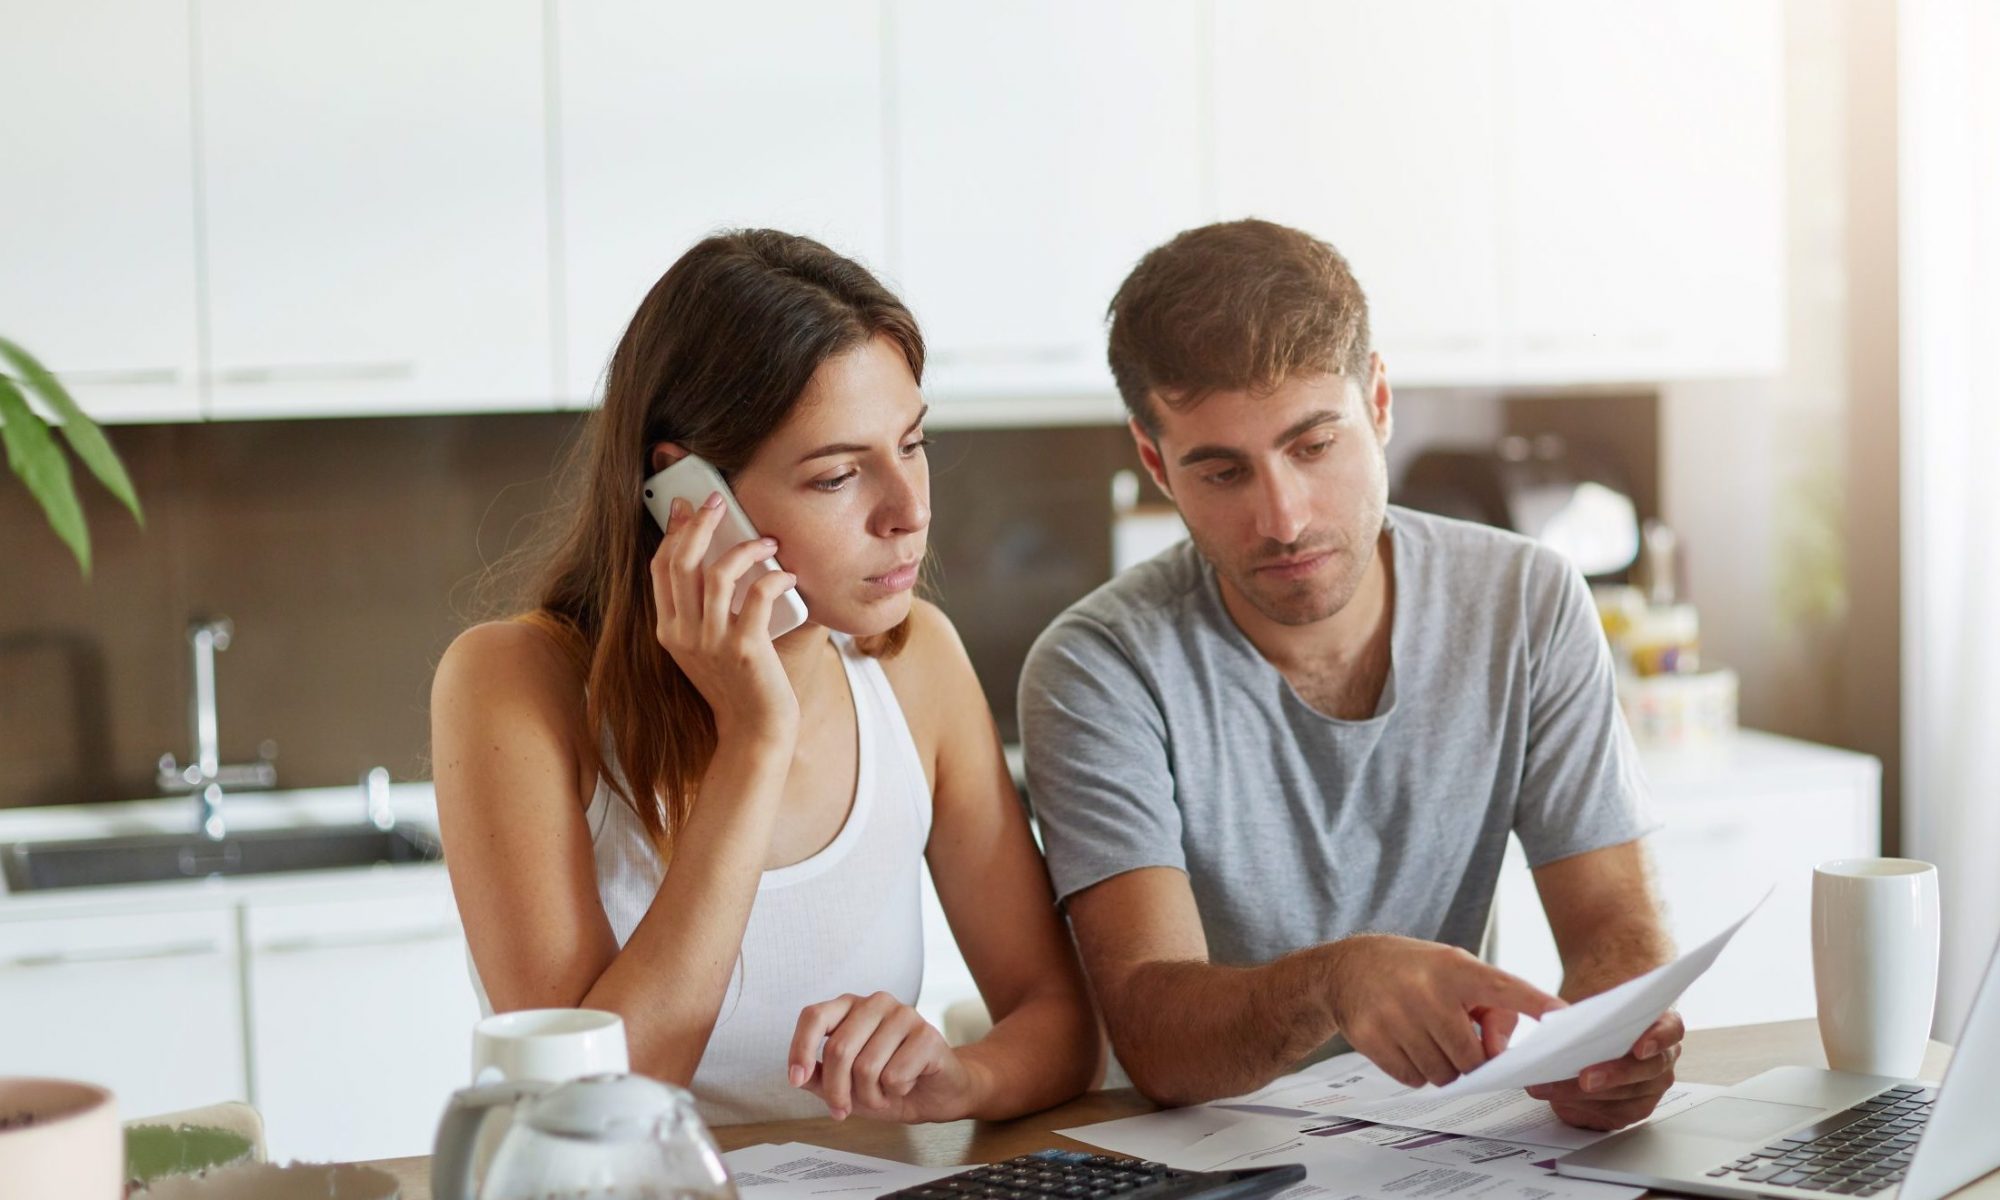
(1857, 1152)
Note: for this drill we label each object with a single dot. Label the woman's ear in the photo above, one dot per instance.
(666, 454)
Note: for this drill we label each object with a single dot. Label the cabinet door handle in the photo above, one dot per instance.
(136, 377)
(1549, 341)
(319, 373)
(351, 941)
(67, 958)
(1444, 343)
(1647, 340)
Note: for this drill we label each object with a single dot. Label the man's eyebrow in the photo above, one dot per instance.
(1209, 452)
(857, 448)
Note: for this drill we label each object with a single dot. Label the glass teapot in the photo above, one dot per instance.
(602, 1137)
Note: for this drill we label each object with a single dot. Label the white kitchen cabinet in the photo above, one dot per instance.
(375, 200)
(1040, 149)
(147, 1003)
(246, 209)
(1552, 191)
(97, 265)
(680, 119)
(1644, 188)
(361, 1020)
(1373, 126)
(1756, 812)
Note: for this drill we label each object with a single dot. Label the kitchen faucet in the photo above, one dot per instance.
(207, 775)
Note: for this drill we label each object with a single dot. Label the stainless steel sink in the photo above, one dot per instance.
(35, 866)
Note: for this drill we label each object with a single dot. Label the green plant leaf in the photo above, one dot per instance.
(82, 433)
(36, 458)
(156, 1151)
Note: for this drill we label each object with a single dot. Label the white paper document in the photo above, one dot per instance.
(796, 1171)
(1486, 1156)
(1348, 1159)
(1329, 1086)
(1594, 1030)
(1363, 1136)
(1512, 1116)
(1349, 1086)
(1201, 1138)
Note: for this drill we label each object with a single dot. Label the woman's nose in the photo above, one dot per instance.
(906, 506)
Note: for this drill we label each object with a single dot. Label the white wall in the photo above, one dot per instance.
(1949, 290)
(1781, 488)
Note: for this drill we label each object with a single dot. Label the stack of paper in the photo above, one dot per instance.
(1363, 1136)
(1495, 1147)
(796, 1171)
(1360, 1134)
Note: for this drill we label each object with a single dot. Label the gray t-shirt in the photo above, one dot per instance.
(1156, 735)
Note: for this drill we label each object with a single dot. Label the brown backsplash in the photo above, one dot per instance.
(349, 553)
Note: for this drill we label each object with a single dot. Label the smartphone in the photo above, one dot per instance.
(693, 480)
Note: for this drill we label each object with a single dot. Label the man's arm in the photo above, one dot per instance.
(1605, 915)
(1580, 814)
(1102, 781)
(1606, 919)
(1188, 1030)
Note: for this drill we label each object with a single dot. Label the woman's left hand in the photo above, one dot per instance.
(881, 1060)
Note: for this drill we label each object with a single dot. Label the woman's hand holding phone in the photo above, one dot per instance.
(728, 656)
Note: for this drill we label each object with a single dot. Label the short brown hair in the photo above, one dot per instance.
(1240, 305)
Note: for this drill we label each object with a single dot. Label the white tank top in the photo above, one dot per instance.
(847, 919)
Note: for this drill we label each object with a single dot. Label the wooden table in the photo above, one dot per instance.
(1712, 1056)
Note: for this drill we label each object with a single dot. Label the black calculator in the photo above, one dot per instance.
(1073, 1175)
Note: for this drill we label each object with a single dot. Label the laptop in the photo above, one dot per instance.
(1807, 1132)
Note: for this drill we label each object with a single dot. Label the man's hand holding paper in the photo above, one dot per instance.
(1612, 1095)
(1603, 1062)
(1426, 1012)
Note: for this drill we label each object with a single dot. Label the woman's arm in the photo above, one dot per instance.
(1044, 1047)
(507, 728)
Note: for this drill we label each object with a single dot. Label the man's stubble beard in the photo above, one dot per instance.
(1307, 602)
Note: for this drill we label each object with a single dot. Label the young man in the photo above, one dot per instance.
(1276, 767)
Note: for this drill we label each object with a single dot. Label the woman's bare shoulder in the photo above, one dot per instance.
(512, 667)
(935, 684)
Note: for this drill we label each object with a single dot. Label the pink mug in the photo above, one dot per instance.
(60, 1138)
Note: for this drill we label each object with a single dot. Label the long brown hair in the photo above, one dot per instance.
(716, 358)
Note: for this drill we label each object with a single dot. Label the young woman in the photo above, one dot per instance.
(651, 807)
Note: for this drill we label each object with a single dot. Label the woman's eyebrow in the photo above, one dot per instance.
(856, 447)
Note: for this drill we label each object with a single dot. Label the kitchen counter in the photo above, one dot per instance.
(414, 805)
(298, 991)
(1722, 1056)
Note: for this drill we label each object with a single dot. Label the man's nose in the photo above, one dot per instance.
(1282, 509)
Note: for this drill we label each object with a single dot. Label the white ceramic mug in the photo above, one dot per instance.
(59, 1138)
(548, 1044)
(1875, 962)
